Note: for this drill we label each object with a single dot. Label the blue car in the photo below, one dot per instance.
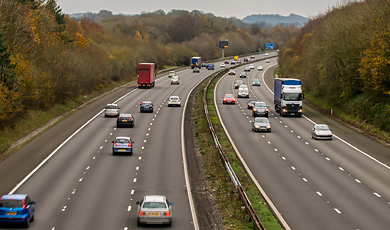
(146, 106)
(122, 145)
(17, 208)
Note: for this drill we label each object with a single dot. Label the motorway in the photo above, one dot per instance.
(314, 184)
(81, 185)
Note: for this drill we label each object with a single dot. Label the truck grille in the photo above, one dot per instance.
(293, 107)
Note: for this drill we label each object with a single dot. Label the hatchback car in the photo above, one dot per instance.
(261, 124)
(246, 59)
(196, 70)
(125, 119)
(243, 93)
(146, 106)
(111, 110)
(238, 61)
(321, 131)
(251, 66)
(243, 86)
(171, 73)
(250, 104)
(267, 61)
(256, 82)
(238, 83)
(232, 63)
(210, 66)
(203, 65)
(222, 65)
(17, 209)
(174, 100)
(266, 54)
(247, 69)
(175, 80)
(232, 72)
(154, 209)
(260, 67)
(242, 75)
(122, 145)
(226, 62)
(260, 108)
(229, 99)
(253, 57)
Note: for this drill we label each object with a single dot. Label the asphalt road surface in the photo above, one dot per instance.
(315, 184)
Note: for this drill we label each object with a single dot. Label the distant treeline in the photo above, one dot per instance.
(48, 58)
(343, 58)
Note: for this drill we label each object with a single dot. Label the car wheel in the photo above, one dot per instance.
(138, 223)
(113, 153)
(131, 154)
(132, 126)
(170, 224)
(32, 218)
(27, 224)
(315, 137)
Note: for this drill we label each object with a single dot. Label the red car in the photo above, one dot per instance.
(229, 98)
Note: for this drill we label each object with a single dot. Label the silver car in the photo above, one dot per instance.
(321, 131)
(111, 110)
(260, 108)
(171, 73)
(154, 209)
(256, 82)
(174, 100)
(261, 124)
(122, 145)
(175, 80)
(243, 93)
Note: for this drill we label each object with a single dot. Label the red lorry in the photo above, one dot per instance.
(146, 75)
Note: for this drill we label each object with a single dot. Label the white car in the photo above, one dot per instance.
(243, 93)
(111, 110)
(243, 86)
(171, 73)
(174, 100)
(154, 209)
(321, 131)
(222, 65)
(266, 54)
(175, 80)
(251, 66)
(260, 67)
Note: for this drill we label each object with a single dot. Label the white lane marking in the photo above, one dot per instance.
(135, 180)
(283, 158)
(81, 179)
(337, 210)
(132, 192)
(304, 179)
(358, 181)
(327, 158)
(129, 208)
(88, 167)
(376, 194)
(319, 193)
(341, 169)
(316, 150)
(137, 168)
(139, 158)
(101, 147)
(293, 168)
(63, 209)
(275, 150)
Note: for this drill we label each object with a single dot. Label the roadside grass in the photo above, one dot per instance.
(34, 119)
(362, 126)
(226, 197)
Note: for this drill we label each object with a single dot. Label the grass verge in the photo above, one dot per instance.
(227, 200)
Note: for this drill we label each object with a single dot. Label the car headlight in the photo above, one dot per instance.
(257, 126)
(254, 109)
(268, 126)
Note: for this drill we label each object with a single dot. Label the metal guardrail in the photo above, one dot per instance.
(255, 219)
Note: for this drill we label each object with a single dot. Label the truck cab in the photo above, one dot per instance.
(288, 96)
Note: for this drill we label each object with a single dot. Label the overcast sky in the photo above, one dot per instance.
(221, 8)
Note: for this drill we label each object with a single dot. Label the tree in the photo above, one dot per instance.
(7, 74)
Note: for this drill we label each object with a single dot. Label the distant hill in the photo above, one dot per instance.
(266, 20)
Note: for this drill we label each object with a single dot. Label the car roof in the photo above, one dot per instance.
(146, 102)
(160, 198)
(122, 138)
(256, 79)
(228, 94)
(112, 104)
(174, 96)
(13, 196)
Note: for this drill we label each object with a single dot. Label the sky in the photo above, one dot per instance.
(220, 8)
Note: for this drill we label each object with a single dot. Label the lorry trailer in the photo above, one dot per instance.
(146, 76)
(288, 96)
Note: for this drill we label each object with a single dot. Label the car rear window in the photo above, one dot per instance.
(154, 205)
(146, 104)
(122, 141)
(174, 98)
(111, 107)
(11, 203)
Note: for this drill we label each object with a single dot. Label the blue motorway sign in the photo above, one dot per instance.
(269, 46)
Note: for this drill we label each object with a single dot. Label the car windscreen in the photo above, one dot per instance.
(154, 205)
(260, 104)
(261, 120)
(322, 128)
(228, 96)
(11, 203)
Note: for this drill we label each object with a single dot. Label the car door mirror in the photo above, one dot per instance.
(113, 141)
(137, 202)
(171, 203)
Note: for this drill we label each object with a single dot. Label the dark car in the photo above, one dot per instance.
(17, 208)
(261, 124)
(204, 65)
(146, 106)
(242, 75)
(226, 62)
(122, 145)
(247, 69)
(232, 63)
(210, 66)
(260, 108)
(238, 83)
(126, 119)
(250, 104)
(246, 59)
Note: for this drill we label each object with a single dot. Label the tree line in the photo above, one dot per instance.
(343, 58)
(48, 58)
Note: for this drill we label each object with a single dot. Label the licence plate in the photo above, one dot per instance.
(122, 149)
(124, 120)
(111, 114)
(154, 214)
(146, 107)
(174, 101)
(11, 213)
(292, 114)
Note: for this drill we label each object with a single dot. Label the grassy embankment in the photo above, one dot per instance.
(220, 185)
